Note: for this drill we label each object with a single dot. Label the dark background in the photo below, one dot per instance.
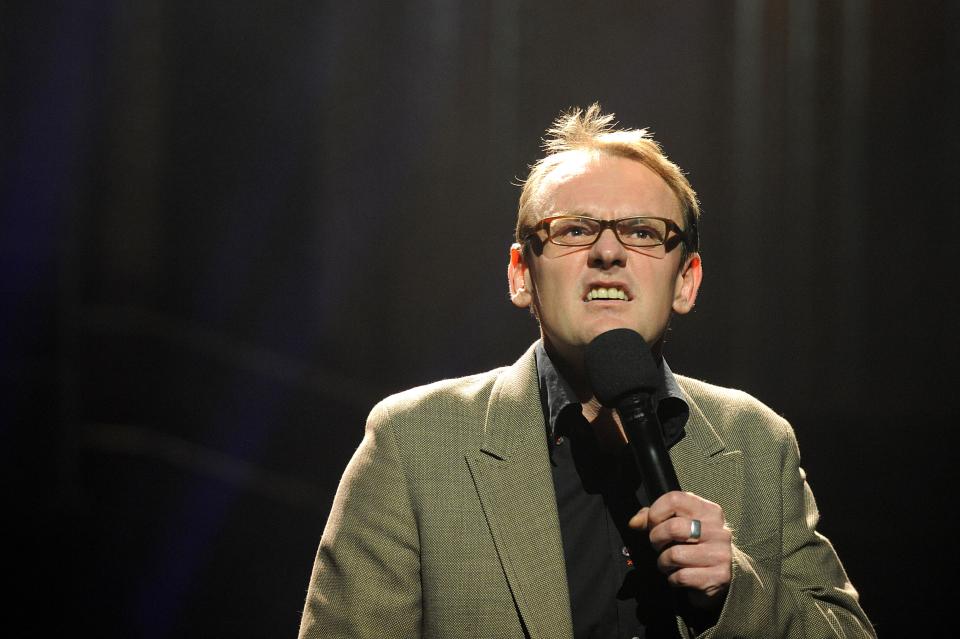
(229, 228)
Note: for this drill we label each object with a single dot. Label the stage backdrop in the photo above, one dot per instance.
(230, 228)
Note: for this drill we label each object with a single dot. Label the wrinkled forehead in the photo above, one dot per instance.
(617, 185)
(569, 165)
(562, 168)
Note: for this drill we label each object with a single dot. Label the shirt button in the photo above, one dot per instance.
(626, 553)
(559, 440)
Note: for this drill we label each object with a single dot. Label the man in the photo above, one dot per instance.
(503, 504)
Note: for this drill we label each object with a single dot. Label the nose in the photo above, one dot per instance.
(607, 251)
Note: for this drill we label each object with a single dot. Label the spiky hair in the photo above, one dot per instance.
(592, 131)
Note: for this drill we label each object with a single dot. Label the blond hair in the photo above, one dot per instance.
(592, 131)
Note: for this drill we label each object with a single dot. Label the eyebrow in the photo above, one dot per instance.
(585, 214)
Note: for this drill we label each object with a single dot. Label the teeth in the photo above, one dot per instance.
(601, 293)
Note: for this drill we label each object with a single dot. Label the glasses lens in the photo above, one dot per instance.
(573, 231)
(642, 231)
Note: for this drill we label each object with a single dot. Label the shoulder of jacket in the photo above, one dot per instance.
(731, 408)
(436, 422)
(455, 394)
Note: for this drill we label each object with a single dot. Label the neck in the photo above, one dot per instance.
(569, 362)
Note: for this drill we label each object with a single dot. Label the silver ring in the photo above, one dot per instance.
(695, 529)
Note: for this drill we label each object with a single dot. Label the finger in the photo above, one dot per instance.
(678, 530)
(682, 504)
(640, 520)
(711, 581)
(680, 556)
(668, 505)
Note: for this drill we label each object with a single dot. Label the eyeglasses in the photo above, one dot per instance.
(639, 232)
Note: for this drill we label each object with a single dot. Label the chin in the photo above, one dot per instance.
(605, 325)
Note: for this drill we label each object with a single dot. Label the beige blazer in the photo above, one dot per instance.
(445, 522)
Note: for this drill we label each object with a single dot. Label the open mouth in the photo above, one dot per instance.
(608, 293)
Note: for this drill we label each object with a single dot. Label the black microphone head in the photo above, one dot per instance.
(619, 363)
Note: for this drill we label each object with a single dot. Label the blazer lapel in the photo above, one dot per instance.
(706, 467)
(512, 476)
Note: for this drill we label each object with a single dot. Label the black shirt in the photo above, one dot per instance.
(615, 588)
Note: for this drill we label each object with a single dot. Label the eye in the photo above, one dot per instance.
(642, 230)
(571, 229)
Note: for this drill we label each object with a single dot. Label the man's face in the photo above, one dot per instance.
(559, 287)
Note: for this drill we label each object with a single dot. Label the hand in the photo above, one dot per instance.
(701, 565)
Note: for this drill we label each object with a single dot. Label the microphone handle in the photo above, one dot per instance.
(646, 443)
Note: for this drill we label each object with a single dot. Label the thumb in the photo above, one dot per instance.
(640, 520)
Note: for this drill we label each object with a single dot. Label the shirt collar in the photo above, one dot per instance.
(558, 397)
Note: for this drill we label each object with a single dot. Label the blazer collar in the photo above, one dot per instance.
(516, 393)
(513, 399)
(699, 428)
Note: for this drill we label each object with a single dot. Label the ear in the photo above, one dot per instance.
(518, 277)
(688, 284)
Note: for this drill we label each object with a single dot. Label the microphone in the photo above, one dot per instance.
(623, 375)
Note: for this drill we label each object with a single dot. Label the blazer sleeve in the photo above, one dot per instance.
(366, 577)
(803, 591)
